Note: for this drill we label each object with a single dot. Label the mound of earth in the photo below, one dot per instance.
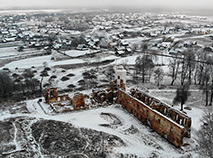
(6, 135)
(63, 139)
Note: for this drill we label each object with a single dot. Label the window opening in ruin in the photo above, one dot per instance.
(165, 111)
(147, 113)
(137, 114)
(159, 120)
(189, 124)
(150, 100)
(176, 117)
(148, 123)
(165, 135)
(118, 77)
(171, 130)
(138, 107)
(184, 121)
(132, 111)
(51, 93)
(180, 121)
(59, 99)
(176, 139)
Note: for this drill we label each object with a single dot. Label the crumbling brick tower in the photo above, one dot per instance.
(78, 101)
(51, 95)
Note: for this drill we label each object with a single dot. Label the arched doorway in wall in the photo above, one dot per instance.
(110, 97)
(148, 122)
(51, 94)
(132, 111)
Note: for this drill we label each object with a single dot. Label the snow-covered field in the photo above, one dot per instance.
(38, 61)
(76, 53)
(9, 52)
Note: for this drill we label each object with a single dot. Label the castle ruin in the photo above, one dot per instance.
(159, 116)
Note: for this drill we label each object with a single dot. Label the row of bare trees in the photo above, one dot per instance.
(19, 86)
(194, 66)
(144, 66)
(189, 67)
(183, 65)
(6, 85)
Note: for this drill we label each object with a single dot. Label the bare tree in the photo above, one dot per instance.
(211, 91)
(158, 75)
(205, 134)
(144, 46)
(51, 38)
(28, 74)
(190, 61)
(174, 66)
(199, 68)
(188, 66)
(98, 59)
(6, 85)
(78, 40)
(134, 47)
(144, 65)
(205, 86)
(124, 62)
(200, 73)
(182, 95)
(206, 78)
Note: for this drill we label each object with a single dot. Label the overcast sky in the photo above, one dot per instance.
(180, 4)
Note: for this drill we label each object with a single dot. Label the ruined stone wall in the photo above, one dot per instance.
(55, 101)
(159, 122)
(165, 120)
(109, 96)
(78, 101)
(164, 109)
(51, 95)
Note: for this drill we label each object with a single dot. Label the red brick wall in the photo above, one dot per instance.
(163, 125)
(78, 101)
(51, 95)
(165, 109)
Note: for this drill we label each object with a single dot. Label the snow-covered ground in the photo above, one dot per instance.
(39, 61)
(9, 52)
(137, 137)
(75, 53)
